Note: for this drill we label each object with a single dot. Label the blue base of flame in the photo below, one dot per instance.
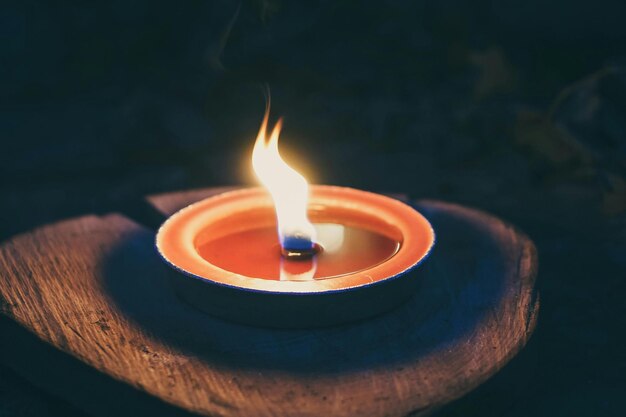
(297, 243)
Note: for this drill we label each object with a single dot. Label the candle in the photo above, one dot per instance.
(293, 255)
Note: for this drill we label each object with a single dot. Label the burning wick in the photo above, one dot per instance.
(307, 252)
(290, 194)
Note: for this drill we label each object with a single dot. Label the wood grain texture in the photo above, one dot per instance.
(95, 289)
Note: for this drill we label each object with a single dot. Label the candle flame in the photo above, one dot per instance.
(288, 188)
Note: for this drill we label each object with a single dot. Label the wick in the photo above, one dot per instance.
(300, 254)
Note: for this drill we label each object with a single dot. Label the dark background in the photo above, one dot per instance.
(515, 107)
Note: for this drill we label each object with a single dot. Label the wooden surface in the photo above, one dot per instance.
(118, 340)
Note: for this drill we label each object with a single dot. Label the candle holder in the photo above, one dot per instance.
(229, 256)
(89, 296)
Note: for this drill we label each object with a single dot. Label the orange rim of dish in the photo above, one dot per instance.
(175, 240)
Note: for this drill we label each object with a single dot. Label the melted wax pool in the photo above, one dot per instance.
(256, 253)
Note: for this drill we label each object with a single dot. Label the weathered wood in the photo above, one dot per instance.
(94, 288)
